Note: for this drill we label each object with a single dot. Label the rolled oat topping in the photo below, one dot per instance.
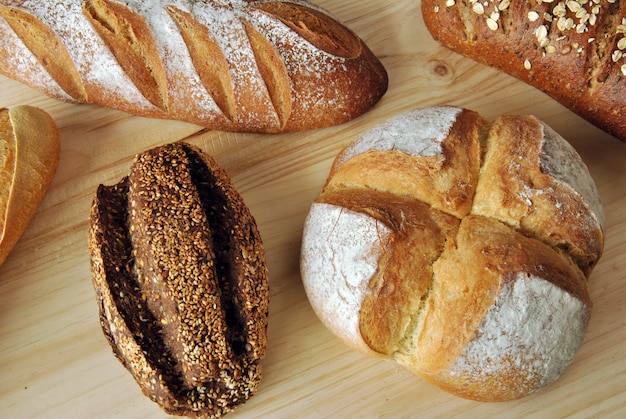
(560, 20)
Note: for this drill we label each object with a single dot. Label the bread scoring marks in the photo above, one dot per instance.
(183, 77)
(340, 253)
(225, 20)
(25, 62)
(532, 333)
(559, 159)
(304, 59)
(420, 132)
(88, 52)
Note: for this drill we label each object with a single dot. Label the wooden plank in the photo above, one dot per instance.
(55, 362)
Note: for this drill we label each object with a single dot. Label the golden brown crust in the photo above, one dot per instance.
(401, 282)
(29, 156)
(574, 53)
(179, 271)
(252, 66)
(476, 264)
(519, 189)
(483, 294)
(446, 179)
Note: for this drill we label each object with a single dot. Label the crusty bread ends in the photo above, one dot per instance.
(258, 66)
(459, 248)
(574, 51)
(29, 156)
(179, 271)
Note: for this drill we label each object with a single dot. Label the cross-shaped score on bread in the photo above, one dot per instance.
(459, 248)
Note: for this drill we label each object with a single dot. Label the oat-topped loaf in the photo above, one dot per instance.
(263, 66)
(574, 50)
(179, 271)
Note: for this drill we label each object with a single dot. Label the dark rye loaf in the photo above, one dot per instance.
(179, 271)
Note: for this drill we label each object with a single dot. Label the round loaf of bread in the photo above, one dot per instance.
(458, 247)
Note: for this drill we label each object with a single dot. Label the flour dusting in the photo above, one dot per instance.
(318, 78)
(419, 132)
(533, 330)
(340, 253)
(559, 159)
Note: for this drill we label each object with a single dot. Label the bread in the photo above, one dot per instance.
(574, 51)
(459, 248)
(181, 281)
(257, 66)
(29, 156)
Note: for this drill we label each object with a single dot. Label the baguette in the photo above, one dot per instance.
(574, 51)
(29, 156)
(179, 272)
(459, 248)
(256, 66)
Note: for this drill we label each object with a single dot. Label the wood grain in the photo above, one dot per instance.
(55, 362)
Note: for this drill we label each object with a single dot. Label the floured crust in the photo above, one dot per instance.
(29, 156)
(503, 364)
(258, 66)
(435, 154)
(436, 287)
(519, 302)
(341, 279)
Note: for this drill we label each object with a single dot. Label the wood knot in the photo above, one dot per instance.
(440, 70)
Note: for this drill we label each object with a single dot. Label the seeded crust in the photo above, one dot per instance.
(179, 272)
(574, 51)
(254, 66)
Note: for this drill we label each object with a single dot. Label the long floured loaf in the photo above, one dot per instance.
(458, 247)
(262, 66)
(574, 51)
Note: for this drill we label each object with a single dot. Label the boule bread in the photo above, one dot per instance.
(471, 272)
(574, 51)
(181, 281)
(29, 156)
(257, 66)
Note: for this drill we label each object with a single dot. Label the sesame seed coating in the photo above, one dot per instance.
(179, 271)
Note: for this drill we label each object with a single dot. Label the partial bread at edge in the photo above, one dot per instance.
(29, 156)
(572, 51)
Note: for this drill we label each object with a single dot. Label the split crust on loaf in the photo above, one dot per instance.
(258, 66)
(179, 272)
(574, 51)
(484, 295)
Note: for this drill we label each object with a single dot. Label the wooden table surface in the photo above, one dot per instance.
(55, 362)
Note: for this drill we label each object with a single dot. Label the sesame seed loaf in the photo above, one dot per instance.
(459, 248)
(179, 271)
(29, 156)
(574, 50)
(257, 66)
